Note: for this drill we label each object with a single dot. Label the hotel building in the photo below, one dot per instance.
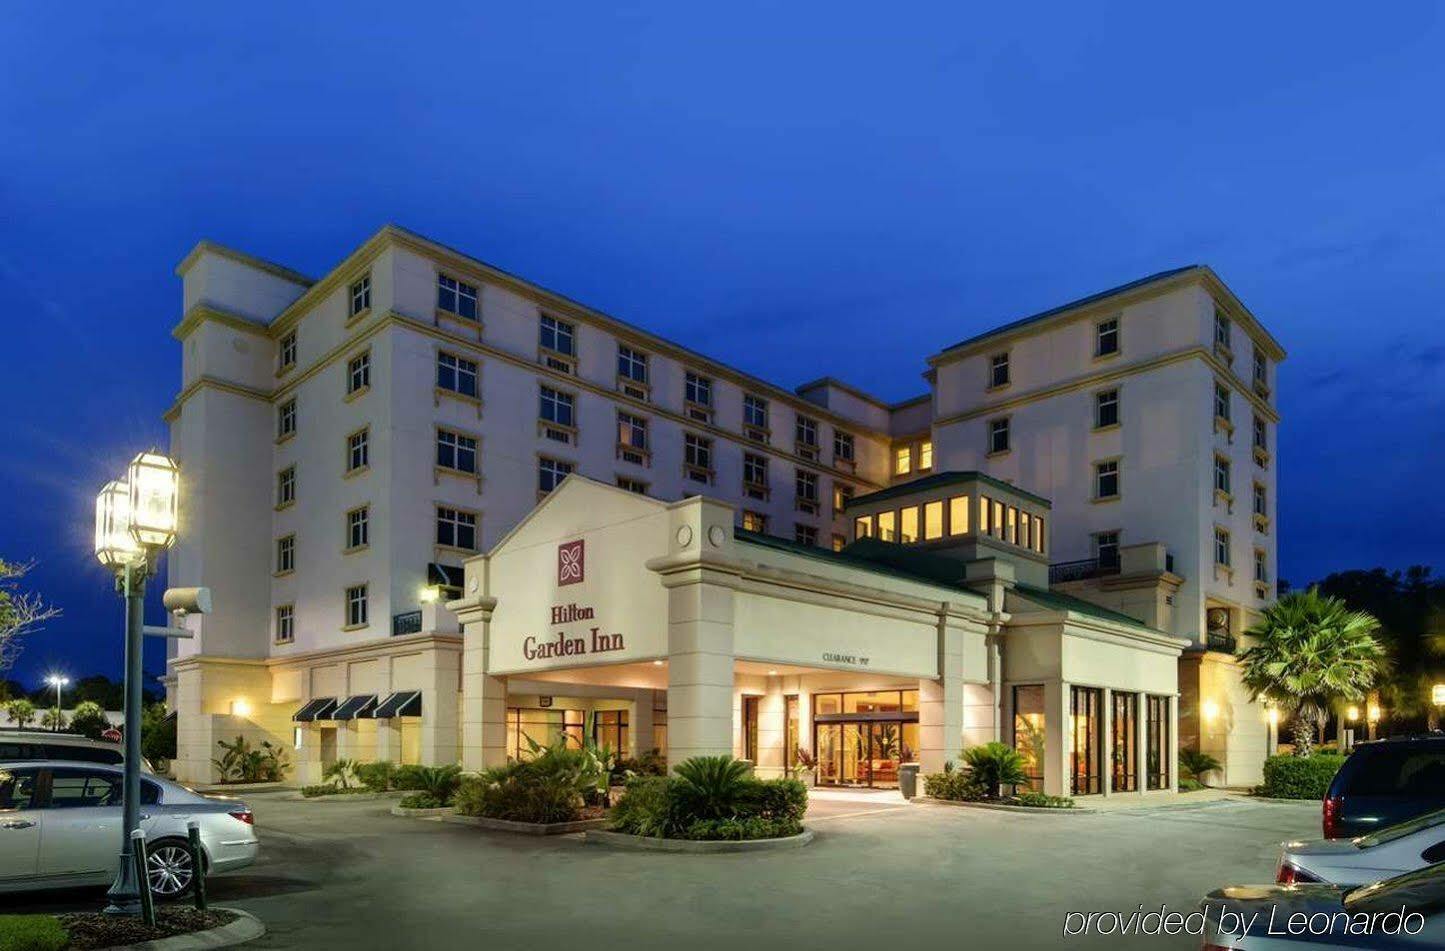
(443, 509)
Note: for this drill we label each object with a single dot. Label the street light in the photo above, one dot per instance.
(56, 681)
(135, 520)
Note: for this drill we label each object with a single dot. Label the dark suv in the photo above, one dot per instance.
(1384, 782)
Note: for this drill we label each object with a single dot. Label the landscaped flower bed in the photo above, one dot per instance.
(711, 798)
(87, 930)
(990, 767)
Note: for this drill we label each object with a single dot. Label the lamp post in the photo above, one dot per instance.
(56, 681)
(135, 521)
(1372, 716)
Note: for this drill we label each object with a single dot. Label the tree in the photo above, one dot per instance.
(53, 719)
(21, 612)
(1312, 650)
(21, 712)
(88, 719)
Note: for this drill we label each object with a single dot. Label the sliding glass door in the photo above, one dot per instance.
(1124, 737)
(1086, 718)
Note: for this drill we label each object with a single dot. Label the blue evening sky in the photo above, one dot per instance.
(796, 189)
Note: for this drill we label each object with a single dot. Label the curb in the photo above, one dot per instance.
(527, 828)
(237, 789)
(344, 797)
(423, 813)
(246, 927)
(640, 843)
(1246, 797)
(1005, 807)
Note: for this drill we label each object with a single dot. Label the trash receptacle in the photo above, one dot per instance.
(908, 780)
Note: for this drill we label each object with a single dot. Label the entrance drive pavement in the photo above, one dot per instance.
(880, 874)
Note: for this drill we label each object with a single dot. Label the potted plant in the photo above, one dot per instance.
(805, 766)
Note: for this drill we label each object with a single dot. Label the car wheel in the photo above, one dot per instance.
(169, 867)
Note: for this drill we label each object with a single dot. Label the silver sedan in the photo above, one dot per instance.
(1414, 843)
(60, 826)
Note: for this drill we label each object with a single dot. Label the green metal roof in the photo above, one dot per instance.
(940, 479)
(1067, 602)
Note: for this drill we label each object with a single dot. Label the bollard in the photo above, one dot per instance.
(142, 874)
(198, 864)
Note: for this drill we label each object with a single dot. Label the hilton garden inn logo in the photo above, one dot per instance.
(570, 562)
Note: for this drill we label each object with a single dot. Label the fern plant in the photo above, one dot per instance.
(1195, 764)
(995, 765)
(341, 773)
(712, 785)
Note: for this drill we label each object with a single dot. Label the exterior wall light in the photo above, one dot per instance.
(429, 595)
(1437, 695)
(1352, 713)
(1273, 714)
(1211, 710)
(1373, 712)
(240, 708)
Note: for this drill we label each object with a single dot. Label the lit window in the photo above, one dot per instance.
(456, 529)
(755, 470)
(842, 446)
(805, 534)
(932, 520)
(285, 624)
(902, 460)
(285, 554)
(358, 528)
(983, 512)
(358, 450)
(1011, 525)
(1025, 540)
(958, 515)
(908, 524)
(925, 455)
(806, 432)
(356, 606)
(632, 431)
(456, 297)
(286, 486)
(1221, 547)
(456, 452)
(863, 526)
(557, 336)
(1039, 534)
(1106, 408)
(1106, 480)
(998, 374)
(456, 374)
(996, 519)
(360, 296)
(888, 526)
(556, 407)
(550, 473)
(1221, 401)
(1106, 549)
(755, 411)
(839, 542)
(631, 364)
(842, 495)
(1221, 475)
(755, 522)
(698, 390)
(287, 351)
(286, 419)
(998, 435)
(358, 373)
(1106, 337)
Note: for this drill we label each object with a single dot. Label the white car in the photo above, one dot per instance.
(1405, 912)
(20, 745)
(60, 826)
(1400, 848)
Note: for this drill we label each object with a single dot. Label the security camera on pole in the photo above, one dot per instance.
(135, 521)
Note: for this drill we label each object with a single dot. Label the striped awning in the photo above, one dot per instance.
(403, 703)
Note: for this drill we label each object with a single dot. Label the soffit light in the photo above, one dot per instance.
(154, 490)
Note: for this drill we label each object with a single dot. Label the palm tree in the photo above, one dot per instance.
(1312, 650)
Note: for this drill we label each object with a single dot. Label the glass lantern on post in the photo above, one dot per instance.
(135, 521)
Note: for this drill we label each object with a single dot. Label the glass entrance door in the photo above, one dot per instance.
(865, 753)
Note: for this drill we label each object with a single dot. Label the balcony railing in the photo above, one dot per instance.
(406, 623)
(1221, 641)
(1066, 571)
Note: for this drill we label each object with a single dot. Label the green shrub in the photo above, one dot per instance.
(1040, 800)
(740, 829)
(440, 781)
(407, 778)
(327, 789)
(995, 765)
(645, 807)
(421, 800)
(1190, 785)
(711, 787)
(243, 763)
(676, 808)
(1299, 777)
(377, 777)
(545, 789)
(32, 933)
(157, 734)
(651, 763)
(89, 720)
(341, 772)
(1195, 764)
(957, 785)
(780, 799)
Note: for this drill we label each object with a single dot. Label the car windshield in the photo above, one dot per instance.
(1420, 891)
(1428, 821)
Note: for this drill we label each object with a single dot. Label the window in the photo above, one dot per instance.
(285, 624)
(358, 528)
(550, 473)
(903, 460)
(457, 374)
(755, 522)
(632, 485)
(998, 370)
(1261, 434)
(807, 489)
(888, 526)
(842, 495)
(456, 297)
(1106, 337)
(925, 455)
(358, 450)
(908, 524)
(697, 457)
(286, 487)
(1086, 716)
(456, 452)
(1261, 369)
(805, 534)
(1223, 329)
(958, 515)
(1039, 534)
(755, 413)
(285, 554)
(806, 431)
(556, 407)
(984, 507)
(932, 520)
(1106, 549)
(632, 438)
(1221, 475)
(1156, 733)
(698, 390)
(360, 296)
(456, 529)
(998, 435)
(358, 373)
(356, 606)
(609, 728)
(286, 419)
(755, 471)
(863, 526)
(1106, 409)
(631, 364)
(1124, 725)
(1221, 401)
(1221, 547)
(286, 352)
(1028, 734)
(1261, 566)
(1261, 501)
(558, 336)
(82, 789)
(839, 542)
(842, 446)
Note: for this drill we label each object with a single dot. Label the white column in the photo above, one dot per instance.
(1106, 742)
(1172, 718)
(772, 728)
(1141, 741)
(940, 706)
(699, 671)
(440, 699)
(484, 697)
(1058, 738)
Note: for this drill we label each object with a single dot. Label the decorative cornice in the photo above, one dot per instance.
(270, 267)
(203, 312)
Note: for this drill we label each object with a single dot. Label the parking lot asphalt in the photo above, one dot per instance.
(879, 874)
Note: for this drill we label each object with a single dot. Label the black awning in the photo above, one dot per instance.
(403, 703)
(444, 576)
(320, 708)
(356, 708)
